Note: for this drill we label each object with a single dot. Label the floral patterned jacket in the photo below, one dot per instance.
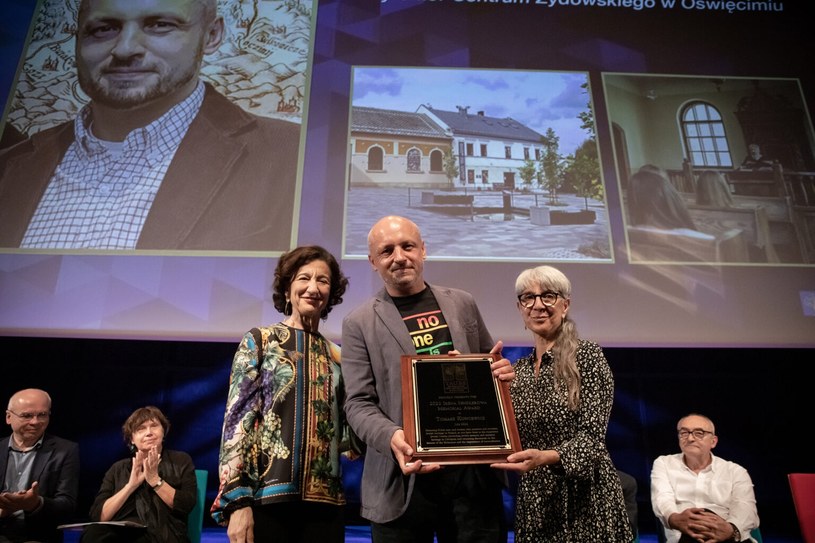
(284, 427)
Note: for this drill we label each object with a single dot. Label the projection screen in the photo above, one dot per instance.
(513, 133)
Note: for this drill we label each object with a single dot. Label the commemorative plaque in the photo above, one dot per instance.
(455, 411)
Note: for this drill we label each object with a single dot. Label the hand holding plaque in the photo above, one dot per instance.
(455, 411)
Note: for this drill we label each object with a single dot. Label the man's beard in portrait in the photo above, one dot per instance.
(126, 95)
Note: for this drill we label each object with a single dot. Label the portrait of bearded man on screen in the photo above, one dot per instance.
(157, 159)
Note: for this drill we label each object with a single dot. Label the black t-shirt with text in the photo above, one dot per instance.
(425, 323)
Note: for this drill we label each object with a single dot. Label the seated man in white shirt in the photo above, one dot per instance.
(698, 496)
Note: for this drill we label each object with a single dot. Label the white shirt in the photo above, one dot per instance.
(724, 487)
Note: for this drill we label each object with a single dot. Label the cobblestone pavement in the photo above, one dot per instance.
(482, 236)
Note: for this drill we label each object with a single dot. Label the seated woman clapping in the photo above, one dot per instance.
(156, 488)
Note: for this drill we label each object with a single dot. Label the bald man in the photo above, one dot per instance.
(408, 500)
(39, 473)
(698, 496)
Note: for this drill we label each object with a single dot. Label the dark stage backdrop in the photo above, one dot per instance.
(759, 399)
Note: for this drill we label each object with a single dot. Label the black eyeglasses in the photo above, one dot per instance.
(30, 416)
(548, 299)
(698, 433)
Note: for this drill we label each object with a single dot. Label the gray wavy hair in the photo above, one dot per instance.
(564, 350)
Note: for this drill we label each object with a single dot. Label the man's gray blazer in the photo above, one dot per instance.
(374, 338)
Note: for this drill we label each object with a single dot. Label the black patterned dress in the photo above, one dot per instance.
(579, 500)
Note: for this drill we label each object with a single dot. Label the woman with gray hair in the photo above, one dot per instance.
(569, 490)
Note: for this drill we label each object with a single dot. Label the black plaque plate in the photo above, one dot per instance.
(455, 411)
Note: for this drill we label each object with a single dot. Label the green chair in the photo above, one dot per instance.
(755, 533)
(195, 522)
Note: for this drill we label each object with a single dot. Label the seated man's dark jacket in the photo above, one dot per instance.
(230, 186)
(56, 470)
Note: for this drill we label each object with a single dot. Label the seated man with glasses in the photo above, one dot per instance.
(697, 496)
(39, 473)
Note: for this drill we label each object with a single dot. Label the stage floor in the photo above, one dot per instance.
(356, 534)
(362, 534)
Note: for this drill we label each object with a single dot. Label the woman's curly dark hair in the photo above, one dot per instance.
(295, 259)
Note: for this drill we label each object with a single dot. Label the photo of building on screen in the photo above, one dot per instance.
(714, 169)
(149, 137)
(492, 164)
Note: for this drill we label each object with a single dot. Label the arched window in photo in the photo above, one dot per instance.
(376, 159)
(436, 160)
(414, 161)
(704, 136)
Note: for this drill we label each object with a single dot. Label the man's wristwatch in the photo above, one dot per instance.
(736, 533)
(161, 482)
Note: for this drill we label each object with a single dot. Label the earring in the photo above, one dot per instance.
(287, 308)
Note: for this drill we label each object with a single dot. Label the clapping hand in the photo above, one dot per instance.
(24, 500)
(150, 462)
(137, 470)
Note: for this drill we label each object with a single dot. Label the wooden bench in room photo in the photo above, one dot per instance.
(649, 244)
(778, 210)
(752, 220)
